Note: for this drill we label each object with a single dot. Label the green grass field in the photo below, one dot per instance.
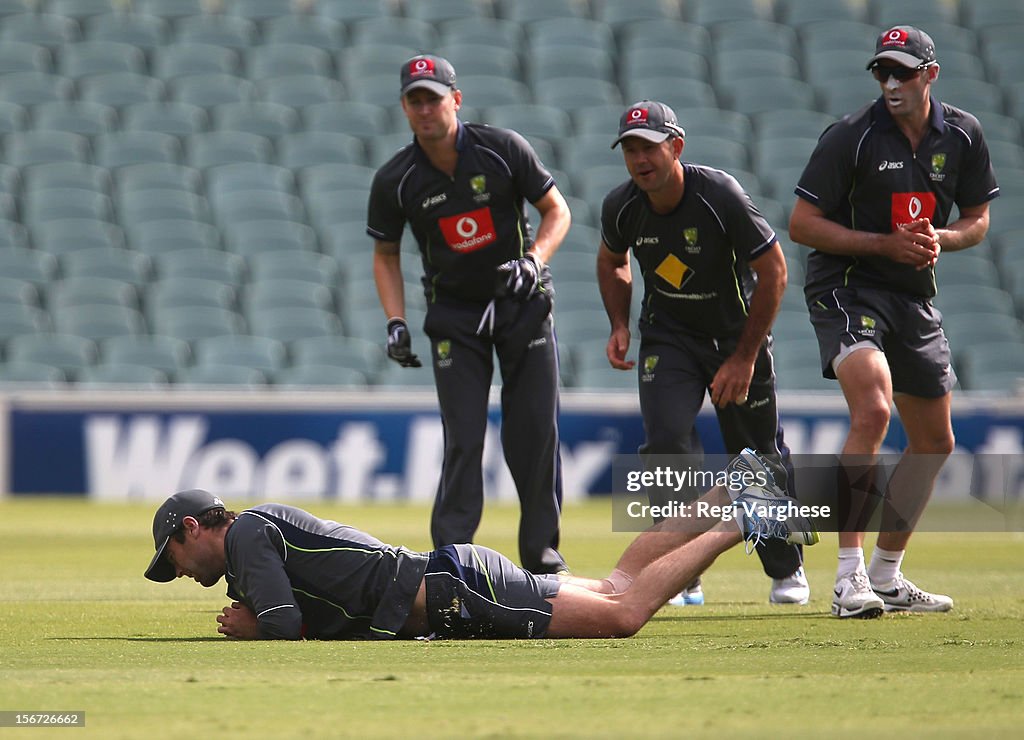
(81, 629)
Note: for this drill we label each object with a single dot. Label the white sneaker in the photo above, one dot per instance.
(904, 596)
(793, 589)
(853, 597)
(693, 595)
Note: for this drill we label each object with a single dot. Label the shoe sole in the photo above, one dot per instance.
(802, 602)
(870, 612)
(890, 608)
(803, 538)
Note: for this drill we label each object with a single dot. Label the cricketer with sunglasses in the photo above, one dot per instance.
(874, 204)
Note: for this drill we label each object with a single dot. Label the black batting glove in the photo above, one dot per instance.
(519, 278)
(400, 344)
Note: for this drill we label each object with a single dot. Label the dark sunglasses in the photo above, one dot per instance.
(882, 72)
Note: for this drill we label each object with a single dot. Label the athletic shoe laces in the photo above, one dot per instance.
(760, 528)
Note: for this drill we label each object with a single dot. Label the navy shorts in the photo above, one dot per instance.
(907, 329)
(476, 592)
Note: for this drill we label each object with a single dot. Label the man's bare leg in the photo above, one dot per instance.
(579, 612)
(867, 386)
(930, 437)
(651, 544)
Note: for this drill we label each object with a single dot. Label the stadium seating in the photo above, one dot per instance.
(121, 375)
(320, 376)
(798, 12)
(309, 30)
(75, 116)
(19, 56)
(222, 377)
(439, 11)
(31, 374)
(163, 353)
(233, 151)
(148, 32)
(70, 353)
(262, 118)
(260, 353)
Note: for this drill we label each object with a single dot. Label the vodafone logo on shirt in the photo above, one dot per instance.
(468, 232)
(907, 207)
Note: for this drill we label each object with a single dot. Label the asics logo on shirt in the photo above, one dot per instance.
(886, 165)
(434, 200)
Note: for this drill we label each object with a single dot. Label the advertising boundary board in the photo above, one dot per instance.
(357, 446)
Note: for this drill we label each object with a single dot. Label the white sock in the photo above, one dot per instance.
(885, 564)
(851, 560)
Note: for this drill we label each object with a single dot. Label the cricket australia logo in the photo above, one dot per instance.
(478, 184)
(444, 353)
(691, 236)
(938, 164)
(650, 362)
(867, 326)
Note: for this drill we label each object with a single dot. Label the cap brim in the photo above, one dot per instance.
(438, 88)
(901, 57)
(643, 133)
(159, 569)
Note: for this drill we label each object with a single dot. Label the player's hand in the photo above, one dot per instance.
(915, 243)
(400, 344)
(618, 345)
(732, 382)
(924, 226)
(519, 278)
(238, 622)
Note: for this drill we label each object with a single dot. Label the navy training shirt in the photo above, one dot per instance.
(468, 224)
(695, 260)
(864, 175)
(309, 577)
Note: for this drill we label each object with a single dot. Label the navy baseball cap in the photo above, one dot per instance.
(904, 45)
(431, 72)
(649, 120)
(168, 520)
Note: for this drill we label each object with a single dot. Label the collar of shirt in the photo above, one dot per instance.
(935, 118)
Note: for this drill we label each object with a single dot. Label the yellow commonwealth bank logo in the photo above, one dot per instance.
(673, 271)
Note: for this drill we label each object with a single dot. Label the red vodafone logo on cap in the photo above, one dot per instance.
(636, 117)
(420, 67)
(895, 37)
(907, 207)
(470, 231)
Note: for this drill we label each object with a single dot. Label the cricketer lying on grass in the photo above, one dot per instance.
(292, 575)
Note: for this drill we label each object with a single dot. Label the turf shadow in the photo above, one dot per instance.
(122, 638)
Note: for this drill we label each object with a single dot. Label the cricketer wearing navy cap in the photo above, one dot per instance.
(890, 190)
(169, 519)
(293, 575)
(649, 120)
(904, 45)
(462, 190)
(713, 278)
